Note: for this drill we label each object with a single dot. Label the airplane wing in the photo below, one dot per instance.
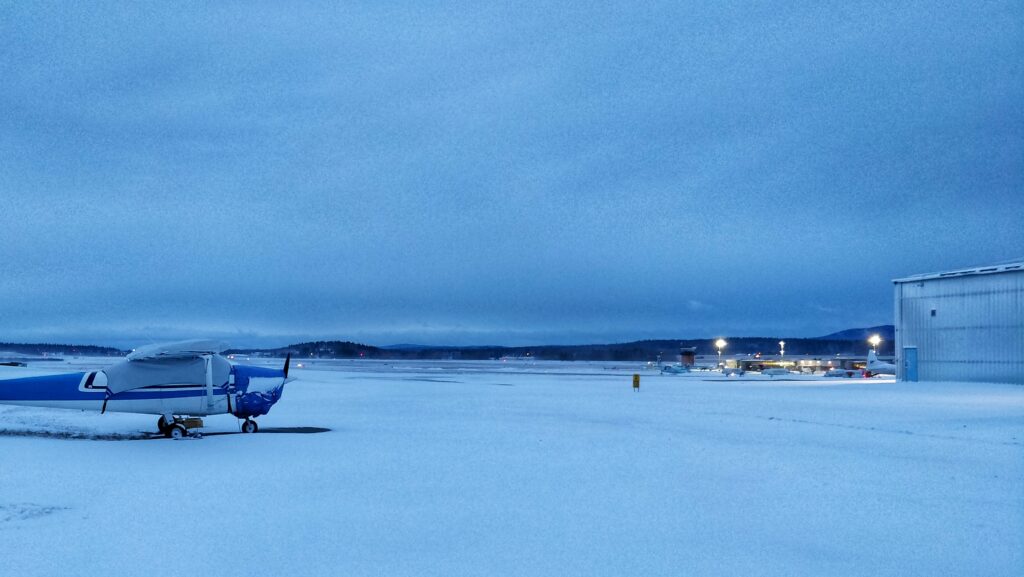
(177, 350)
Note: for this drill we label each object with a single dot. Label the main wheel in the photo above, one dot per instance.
(250, 426)
(176, 431)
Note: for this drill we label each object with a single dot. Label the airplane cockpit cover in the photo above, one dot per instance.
(180, 363)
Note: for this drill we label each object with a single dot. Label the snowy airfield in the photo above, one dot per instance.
(490, 468)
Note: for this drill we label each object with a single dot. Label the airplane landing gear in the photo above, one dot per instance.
(178, 427)
(250, 426)
(176, 431)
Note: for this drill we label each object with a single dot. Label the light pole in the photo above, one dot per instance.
(720, 343)
(782, 349)
(875, 340)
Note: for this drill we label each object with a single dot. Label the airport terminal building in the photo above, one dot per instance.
(965, 325)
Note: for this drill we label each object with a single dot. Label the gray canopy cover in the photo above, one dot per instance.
(128, 375)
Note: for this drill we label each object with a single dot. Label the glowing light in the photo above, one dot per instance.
(875, 340)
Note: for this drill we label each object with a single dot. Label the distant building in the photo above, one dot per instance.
(688, 356)
(965, 325)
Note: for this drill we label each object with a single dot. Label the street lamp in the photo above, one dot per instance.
(782, 349)
(720, 343)
(875, 340)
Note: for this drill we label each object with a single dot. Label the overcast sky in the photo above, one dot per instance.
(478, 173)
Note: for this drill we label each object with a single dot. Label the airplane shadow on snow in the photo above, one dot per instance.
(144, 435)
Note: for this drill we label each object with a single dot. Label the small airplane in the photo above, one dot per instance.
(873, 367)
(687, 363)
(877, 367)
(173, 380)
(677, 369)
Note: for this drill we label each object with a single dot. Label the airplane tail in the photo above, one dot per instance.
(872, 357)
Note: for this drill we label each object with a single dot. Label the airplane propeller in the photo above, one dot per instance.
(287, 361)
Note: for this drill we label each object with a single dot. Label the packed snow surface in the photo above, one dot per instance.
(457, 468)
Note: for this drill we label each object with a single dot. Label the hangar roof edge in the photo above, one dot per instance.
(1017, 265)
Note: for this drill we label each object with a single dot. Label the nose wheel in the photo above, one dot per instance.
(250, 426)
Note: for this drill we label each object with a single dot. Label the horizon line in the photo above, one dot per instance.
(463, 346)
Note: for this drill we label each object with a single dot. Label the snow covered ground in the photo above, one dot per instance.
(451, 468)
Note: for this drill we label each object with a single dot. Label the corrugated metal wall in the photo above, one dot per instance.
(976, 332)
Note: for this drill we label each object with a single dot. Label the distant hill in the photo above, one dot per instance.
(321, 349)
(887, 332)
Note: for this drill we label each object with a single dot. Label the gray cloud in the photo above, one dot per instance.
(514, 174)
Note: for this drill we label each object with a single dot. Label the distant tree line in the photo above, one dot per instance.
(647, 350)
(40, 349)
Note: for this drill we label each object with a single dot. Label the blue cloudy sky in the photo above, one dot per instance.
(514, 173)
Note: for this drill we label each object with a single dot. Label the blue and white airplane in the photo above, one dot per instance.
(174, 380)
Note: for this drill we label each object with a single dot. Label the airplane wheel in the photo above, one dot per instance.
(176, 431)
(250, 426)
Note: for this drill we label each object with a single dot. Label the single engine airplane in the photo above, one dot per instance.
(174, 380)
(677, 369)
